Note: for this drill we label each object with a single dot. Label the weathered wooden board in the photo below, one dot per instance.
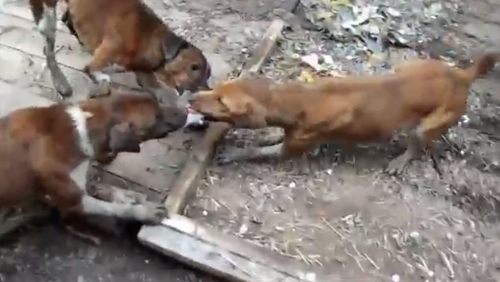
(223, 255)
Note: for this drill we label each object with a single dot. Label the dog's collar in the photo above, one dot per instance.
(79, 118)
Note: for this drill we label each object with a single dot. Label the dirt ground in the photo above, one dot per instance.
(46, 252)
(336, 209)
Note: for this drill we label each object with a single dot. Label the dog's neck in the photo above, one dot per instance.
(282, 107)
(92, 121)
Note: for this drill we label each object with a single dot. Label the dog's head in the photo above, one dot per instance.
(138, 118)
(238, 102)
(185, 68)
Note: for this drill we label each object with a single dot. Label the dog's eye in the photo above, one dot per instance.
(195, 67)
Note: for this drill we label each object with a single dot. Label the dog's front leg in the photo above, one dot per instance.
(250, 153)
(147, 212)
(63, 193)
(67, 192)
(101, 60)
(47, 25)
(271, 137)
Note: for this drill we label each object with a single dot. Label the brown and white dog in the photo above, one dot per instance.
(45, 152)
(123, 35)
(426, 96)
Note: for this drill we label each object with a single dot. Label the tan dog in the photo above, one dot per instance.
(45, 152)
(124, 35)
(424, 95)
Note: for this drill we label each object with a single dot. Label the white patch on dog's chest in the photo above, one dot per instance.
(79, 174)
(79, 118)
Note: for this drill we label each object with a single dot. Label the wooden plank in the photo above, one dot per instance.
(223, 255)
(184, 187)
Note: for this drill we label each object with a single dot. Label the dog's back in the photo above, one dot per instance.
(97, 18)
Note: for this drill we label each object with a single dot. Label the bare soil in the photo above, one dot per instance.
(45, 251)
(336, 210)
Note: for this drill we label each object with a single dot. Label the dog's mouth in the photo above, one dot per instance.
(209, 117)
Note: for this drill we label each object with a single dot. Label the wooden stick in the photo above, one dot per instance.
(203, 152)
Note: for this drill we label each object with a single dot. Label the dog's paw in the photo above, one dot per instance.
(101, 77)
(230, 155)
(152, 213)
(106, 158)
(103, 88)
(398, 165)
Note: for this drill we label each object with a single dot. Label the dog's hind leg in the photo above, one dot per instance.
(399, 164)
(45, 16)
(430, 128)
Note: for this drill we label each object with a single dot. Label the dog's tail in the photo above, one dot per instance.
(481, 66)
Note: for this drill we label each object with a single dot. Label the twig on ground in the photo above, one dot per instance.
(356, 260)
(333, 228)
(371, 261)
(302, 256)
(447, 263)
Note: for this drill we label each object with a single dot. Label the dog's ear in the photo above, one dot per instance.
(171, 45)
(122, 138)
(235, 106)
